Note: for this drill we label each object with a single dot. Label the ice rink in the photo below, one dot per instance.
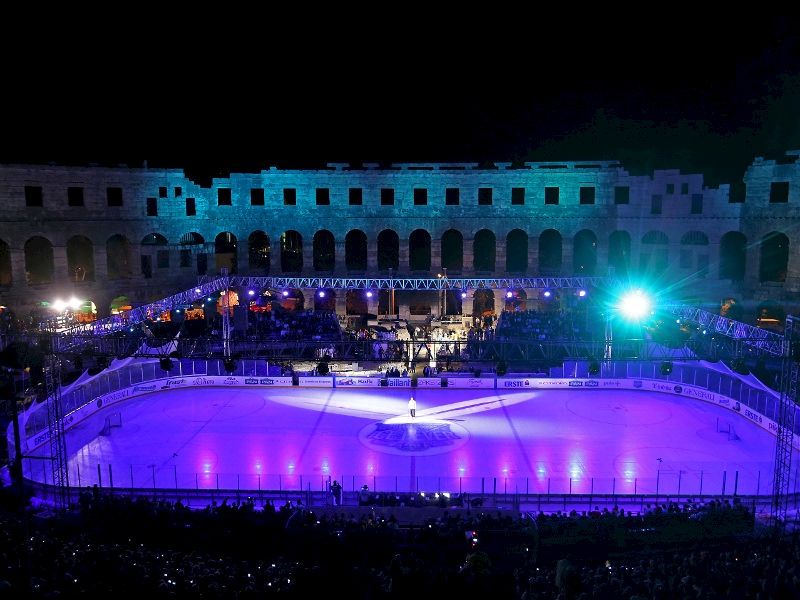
(461, 440)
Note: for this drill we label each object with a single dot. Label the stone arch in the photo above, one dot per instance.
(388, 250)
(619, 252)
(39, 262)
(80, 258)
(291, 251)
(774, 259)
(517, 251)
(325, 300)
(484, 251)
(419, 256)
(355, 250)
(483, 308)
(258, 251)
(654, 255)
(119, 257)
(324, 244)
(584, 253)
(6, 274)
(452, 250)
(733, 256)
(550, 252)
(356, 302)
(225, 254)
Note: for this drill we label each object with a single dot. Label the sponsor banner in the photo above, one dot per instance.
(175, 383)
(552, 383)
(398, 382)
(470, 382)
(429, 382)
(268, 381)
(584, 383)
(316, 381)
(698, 393)
(516, 383)
(143, 389)
(356, 381)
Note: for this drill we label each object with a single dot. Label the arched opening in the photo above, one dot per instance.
(225, 252)
(584, 253)
(550, 252)
(80, 258)
(774, 262)
(291, 252)
(419, 256)
(258, 251)
(733, 256)
(119, 263)
(452, 250)
(517, 252)
(484, 251)
(388, 250)
(355, 251)
(324, 244)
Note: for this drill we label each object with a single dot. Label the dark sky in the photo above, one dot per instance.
(240, 93)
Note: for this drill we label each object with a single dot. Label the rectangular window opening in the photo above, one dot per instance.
(224, 197)
(74, 196)
(323, 197)
(355, 196)
(452, 197)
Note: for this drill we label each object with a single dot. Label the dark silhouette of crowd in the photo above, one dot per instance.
(134, 547)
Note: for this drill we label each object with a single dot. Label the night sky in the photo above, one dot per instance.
(241, 93)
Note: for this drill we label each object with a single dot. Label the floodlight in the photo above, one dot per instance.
(635, 305)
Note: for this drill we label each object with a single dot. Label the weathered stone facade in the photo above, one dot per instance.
(147, 233)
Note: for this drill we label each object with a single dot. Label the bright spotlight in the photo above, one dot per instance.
(635, 305)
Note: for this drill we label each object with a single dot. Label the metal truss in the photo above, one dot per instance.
(407, 283)
(765, 341)
(785, 432)
(57, 440)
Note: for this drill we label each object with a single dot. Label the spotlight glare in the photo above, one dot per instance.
(635, 305)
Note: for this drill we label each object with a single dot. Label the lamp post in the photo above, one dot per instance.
(391, 291)
(443, 303)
